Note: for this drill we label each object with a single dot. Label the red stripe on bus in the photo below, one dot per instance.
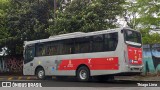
(110, 63)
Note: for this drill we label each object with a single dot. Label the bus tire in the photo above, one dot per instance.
(83, 74)
(40, 73)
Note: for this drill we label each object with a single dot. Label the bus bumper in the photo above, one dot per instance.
(135, 68)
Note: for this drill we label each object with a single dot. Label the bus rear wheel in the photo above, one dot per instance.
(40, 73)
(83, 74)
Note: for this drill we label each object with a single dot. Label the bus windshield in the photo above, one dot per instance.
(132, 37)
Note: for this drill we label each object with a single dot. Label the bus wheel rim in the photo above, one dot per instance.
(83, 74)
(40, 74)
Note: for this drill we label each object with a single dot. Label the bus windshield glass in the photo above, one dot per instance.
(132, 37)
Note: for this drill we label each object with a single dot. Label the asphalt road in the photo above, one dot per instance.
(71, 82)
(68, 83)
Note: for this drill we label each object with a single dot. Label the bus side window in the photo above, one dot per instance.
(40, 51)
(68, 46)
(98, 43)
(111, 41)
(82, 45)
(106, 42)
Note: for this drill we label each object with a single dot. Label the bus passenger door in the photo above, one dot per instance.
(28, 59)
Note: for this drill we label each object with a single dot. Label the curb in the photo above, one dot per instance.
(138, 78)
(20, 78)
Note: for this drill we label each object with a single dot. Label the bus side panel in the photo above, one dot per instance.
(99, 63)
(27, 69)
(50, 64)
(119, 52)
(68, 66)
(110, 63)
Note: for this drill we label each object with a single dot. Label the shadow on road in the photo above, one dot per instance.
(73, 79)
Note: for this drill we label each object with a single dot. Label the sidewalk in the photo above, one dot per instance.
(10, 74)
(138, 78)
(18, 78)
(123, 78)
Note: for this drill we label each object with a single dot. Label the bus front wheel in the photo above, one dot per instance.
(40, 73)
(83, 74)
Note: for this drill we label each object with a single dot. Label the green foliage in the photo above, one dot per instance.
(4, 6)
(143, 15)
(86, 16)
(24, 20)
(151, 39)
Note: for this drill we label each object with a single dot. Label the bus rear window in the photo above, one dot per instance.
(132, 37)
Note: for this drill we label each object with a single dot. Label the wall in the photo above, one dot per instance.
(11, 64)
(151, 59)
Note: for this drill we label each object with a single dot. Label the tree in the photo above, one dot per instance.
(25, 20)
(86, 16)
(34, 19)
(4, 6)
(143, 15)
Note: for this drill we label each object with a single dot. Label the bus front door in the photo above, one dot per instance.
(28, 59)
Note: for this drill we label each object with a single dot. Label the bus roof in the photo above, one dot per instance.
(73, 35)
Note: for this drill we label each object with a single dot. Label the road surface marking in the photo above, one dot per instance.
(10, 78)
(19, 78)
(28, 78)
(1, 78)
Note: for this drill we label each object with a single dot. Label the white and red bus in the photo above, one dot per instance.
(84, 55)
